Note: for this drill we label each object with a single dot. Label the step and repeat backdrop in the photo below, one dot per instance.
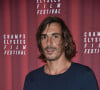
(19, 20)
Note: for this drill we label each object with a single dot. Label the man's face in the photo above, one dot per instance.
(51, 40)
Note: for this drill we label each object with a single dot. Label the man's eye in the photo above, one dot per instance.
(43, 37)
(56, 36)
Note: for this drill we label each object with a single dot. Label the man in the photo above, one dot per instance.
(57, 48)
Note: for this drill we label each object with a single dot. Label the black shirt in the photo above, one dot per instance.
(77, 77)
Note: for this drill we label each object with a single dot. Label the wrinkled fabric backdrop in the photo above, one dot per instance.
(22, 17)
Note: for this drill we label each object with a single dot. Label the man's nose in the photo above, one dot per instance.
(49, 41)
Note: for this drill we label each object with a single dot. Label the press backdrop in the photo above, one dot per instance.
(19, 20)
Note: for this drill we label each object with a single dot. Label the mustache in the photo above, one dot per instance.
(49, 47)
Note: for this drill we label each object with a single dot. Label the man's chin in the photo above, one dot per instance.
(51, 58)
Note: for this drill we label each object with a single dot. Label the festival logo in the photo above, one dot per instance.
(48, 7)
(91, 42)
(14, 44)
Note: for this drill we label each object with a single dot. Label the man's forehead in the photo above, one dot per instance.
(52, 28)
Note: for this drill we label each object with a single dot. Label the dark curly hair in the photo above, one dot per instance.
(70, 49)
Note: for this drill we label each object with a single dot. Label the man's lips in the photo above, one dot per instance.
(50, 50)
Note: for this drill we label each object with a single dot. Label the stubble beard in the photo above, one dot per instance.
(54, 56)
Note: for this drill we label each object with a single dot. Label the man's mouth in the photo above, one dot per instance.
(50, 50)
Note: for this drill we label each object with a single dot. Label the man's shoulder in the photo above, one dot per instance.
(35, 72)
(81, 68)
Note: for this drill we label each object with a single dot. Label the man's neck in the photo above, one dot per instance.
(57, 66)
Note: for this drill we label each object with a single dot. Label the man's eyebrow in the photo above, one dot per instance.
(56, 33)
(43, 34)
(51, 34)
